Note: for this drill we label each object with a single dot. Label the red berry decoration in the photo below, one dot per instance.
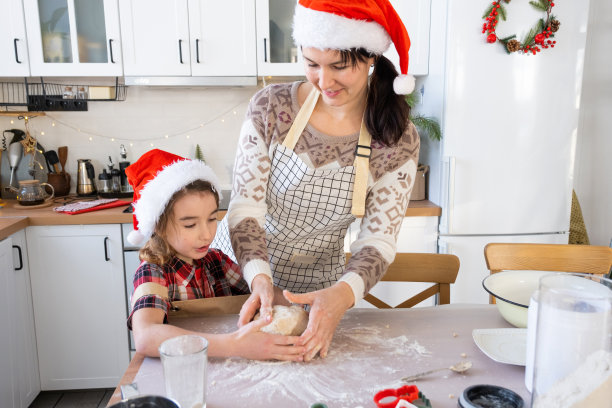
(537, 37)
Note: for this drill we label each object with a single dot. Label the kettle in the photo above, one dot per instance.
(31, 192)
(86, 184)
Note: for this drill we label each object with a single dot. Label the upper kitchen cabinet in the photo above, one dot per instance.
(13, 42)
(276, 52)
(416, 17)
(73, 37)
(164, 42)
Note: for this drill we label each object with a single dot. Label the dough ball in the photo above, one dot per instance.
(287, 320)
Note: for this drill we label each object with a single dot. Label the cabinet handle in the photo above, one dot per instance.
(181, 51)
(16, 53)
(265, 51)
(106, 258)
(198, 50)
(18, 248)
(110, 47)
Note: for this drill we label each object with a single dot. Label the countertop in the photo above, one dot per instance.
(14, 217)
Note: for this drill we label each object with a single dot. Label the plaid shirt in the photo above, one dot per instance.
(214, 275)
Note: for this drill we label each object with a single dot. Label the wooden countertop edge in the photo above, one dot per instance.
(128, 377)
(15, 219)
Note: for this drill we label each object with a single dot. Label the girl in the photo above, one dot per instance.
(175, 210)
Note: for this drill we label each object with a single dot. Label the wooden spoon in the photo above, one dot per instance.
(62, 152)
(458, 368)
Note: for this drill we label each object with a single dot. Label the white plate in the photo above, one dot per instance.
(507, 346)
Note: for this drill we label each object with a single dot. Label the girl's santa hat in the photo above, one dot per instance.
(346, 24)
(155, 177)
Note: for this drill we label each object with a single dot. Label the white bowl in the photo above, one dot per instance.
(512, 291)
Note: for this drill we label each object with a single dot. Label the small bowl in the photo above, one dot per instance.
(512, 291)
(484, 395)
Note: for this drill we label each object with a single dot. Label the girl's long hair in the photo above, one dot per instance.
(157, 250)
(387, 114)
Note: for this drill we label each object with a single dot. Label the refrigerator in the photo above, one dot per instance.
(504, 167)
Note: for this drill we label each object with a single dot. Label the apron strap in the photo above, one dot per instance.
(301, 119)
(147, 289)
(363, 151)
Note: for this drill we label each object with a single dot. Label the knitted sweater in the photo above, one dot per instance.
(391, 176)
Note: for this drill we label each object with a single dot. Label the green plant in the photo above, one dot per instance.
(426, 125)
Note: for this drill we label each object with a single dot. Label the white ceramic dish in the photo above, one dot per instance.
(512, 291)
(508, 346)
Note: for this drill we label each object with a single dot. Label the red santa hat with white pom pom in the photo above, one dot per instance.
(155, 177)
(346, 24)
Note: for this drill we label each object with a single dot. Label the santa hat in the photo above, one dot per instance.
(155, 177)
(346, 24)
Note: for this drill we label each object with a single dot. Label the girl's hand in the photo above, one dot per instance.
(262, 295)
(327, 308)
(253, 344)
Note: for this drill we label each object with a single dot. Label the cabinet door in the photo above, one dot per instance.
(13, 43)
(8, 383)
(222, 38)
(27, 373)
(155, 37)
(79, 305)
(276, 52)
(73, 38)
(415, 15)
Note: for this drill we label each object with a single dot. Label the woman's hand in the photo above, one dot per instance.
(262, 296)
(327, 308)
(253, 344)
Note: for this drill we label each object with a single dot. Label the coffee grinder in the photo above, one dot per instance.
(125, 186)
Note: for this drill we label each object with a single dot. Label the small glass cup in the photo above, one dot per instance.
(184, 361)
(573, 342)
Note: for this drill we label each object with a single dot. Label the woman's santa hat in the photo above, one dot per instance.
(155, 177)
(346, 24)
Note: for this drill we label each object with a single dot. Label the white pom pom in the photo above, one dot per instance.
(135, 237)
(403, 84)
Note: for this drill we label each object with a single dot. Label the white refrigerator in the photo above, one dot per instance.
(509, 126)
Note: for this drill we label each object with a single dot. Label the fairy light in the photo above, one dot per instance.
(187, 136)
(90, 139)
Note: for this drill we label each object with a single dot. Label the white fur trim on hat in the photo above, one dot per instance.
(319, 29)
(403, 84)
(155, 195)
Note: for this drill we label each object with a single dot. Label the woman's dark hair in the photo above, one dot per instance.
(387, 114)
(157, 250)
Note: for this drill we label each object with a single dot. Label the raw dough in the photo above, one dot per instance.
(287, 320)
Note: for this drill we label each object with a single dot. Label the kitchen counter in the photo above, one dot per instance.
(14, 217)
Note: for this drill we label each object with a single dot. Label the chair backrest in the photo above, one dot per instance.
(592, 259)
(439, 269)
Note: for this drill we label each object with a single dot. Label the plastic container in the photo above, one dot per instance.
(489, 396)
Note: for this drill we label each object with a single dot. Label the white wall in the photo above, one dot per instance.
(210, 117)
(593, 171)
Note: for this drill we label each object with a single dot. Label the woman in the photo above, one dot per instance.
(314, 155)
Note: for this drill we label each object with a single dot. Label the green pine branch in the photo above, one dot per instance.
(540, 4)
(488, 11)
(412, 99)
(501, 11)
(428, 126)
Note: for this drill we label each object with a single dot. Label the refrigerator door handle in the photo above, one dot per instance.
(448, 193)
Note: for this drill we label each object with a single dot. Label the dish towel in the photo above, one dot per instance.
(86, 206)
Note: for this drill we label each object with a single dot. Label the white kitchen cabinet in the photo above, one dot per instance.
(19, 376)
(415, 15)
(73, 38)
(13, 41)
(182, 38)
(276, 52)
(79, 305)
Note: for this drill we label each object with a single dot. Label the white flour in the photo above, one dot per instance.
(355, 359)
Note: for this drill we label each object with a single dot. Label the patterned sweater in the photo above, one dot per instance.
(391, 176)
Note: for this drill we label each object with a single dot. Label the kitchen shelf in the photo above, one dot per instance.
(44, 96)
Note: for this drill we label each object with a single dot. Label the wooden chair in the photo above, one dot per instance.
(592, 259)
(440, 269)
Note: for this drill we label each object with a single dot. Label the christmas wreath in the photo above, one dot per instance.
(538, 37)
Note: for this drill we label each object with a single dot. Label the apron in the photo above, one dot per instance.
(309, 212)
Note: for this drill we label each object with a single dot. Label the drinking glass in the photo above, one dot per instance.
(184, 361)
(573, 343)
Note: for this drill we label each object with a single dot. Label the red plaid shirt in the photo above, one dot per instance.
(214, 275)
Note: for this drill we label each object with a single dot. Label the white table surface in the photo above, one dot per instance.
(372, 350)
